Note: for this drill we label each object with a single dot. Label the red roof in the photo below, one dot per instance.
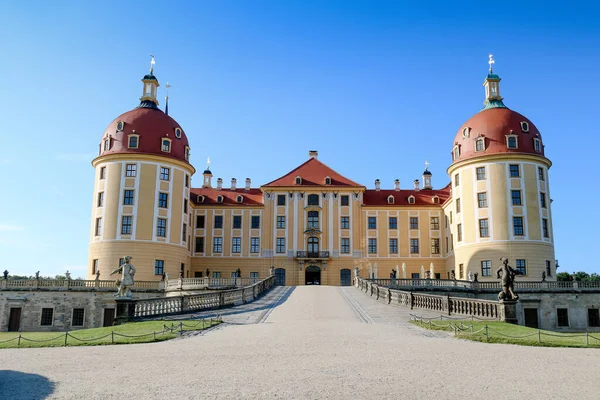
(373, 197)
(493, 125)
(151, 124)
(313, 173)
(252, 197)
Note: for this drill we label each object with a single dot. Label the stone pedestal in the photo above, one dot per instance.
(508, 311)
(125, 311)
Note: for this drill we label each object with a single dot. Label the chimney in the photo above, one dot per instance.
(416, 185)
(248, 182)
(377, 184)
(219, 183)
(313, 154)
(397, 185)
(233, 181)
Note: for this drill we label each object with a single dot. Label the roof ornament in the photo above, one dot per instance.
(426, 165)
(491, 62)
(152, 62)
(167, 99)
(208, 163)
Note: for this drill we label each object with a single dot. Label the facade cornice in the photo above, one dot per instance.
(142, 157)
(499, 157)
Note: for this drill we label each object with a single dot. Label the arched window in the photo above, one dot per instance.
(178, 133)
(511, 141)
(480, 144)
(240, 199)
(411, 200)
(327, 180)
(313, 199)
(298, 180)
(313, 246)
(313, 219)
(166, 145)
(525, 126)
(391, 200)
(436, 200)
(466, 132)
(200, 198)
(219, 199)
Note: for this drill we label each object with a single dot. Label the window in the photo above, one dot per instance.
(313, 246)
(484, 228)
(77, 319)
(434, 223)
(414, 275)
(562, 316)
(187, 180)
(456, 180)
(164, 173)
(482, 200)
(159, 267)
(218, 222)
(200, 222)
(236, 245)
(345, 222)
(219, 199)
(107, 144)
(47, 317)
(394, 246)
(537, 145)
(184, 233)
(163, 200)
(372, 246)
(414, 222)
(298, 180)
(237, 222)
(435, 246)
(254, 245)
(130, 170)
(216, 275)
(281, 222)
(372, 221)
(393, 222)
(313, 199)
(516, 197)
(521, 266)
(345, 245)
(480, 145)
(457, 206)
(126, 222)
(178, 133)
(466, 132)
(524, 126)
(480, 173)
(514, 170)
(101, 199)
(128, 197)
(540, 173)
(450, 216)
(455, 153)
(187, 153)
(486, 268)
(518, 226)
(391, 199)
(593, 317)
(545, 227)
(185, 206)
(414, 246)
(313, 220)
(543, 200)
(345, 200)
(511, 142)
(459, 233)
(161, 227)
(102, 172)
(199, 245)
(218, 245)
(461, 271)
(281, 199)
(166, 145)
(281, 245)
(327, 180)
(411, 200)
(548, 268)
(98, 230)
(94, 266)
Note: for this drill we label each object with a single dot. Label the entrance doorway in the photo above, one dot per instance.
(531, 317)
(280, 277)
(14, 320)
(313, 275)
(345, 279)
(109, 317)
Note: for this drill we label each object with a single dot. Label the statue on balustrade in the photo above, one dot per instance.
(507, 274)
(5, 274)
(37, 275)
(127, 271)
(98, 274)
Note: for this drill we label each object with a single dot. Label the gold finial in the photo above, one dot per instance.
(152, 62)
(491, 61)
(208, 163)
(426, 165)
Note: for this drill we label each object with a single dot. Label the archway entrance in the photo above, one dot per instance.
(345, 278)
(313, 275)
(280, 277)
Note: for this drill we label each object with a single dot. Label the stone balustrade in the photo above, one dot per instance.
(417, 284)
(206, 283)
(75, 285)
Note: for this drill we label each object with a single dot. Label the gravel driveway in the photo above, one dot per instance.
(318, 342)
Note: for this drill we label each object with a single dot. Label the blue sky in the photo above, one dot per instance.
(376, 87)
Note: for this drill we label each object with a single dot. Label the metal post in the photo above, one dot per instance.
(587, 338)
(539, 336)
(112, 336)
(487, 336)
(19, 341)
(66, 335)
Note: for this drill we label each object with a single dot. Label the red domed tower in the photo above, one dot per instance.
(141, 192)
(500, 204)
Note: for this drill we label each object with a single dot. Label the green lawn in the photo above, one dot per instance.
(502, 332)
(151, 331)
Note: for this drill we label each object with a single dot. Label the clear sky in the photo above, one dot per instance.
(377, 87)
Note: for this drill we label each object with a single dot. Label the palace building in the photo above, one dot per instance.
(313, 225)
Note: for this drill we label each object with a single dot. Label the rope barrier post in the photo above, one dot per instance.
(66, 336)
(539, 336)
(181, 328)
(112, 337)
(455, 330)
(587, 338)
(19, 342)
(202, 323)
(487, 336)
(429, 324)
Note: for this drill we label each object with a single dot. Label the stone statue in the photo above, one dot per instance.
(37, 275)
(272, 271)
(180, 274)
(507, 274)
(98, 274)
(68, 275)
(475, 277)
(470, 276)
(207, 273)
(452, 275)
(5, 274)
(356, 272)
(238, 273)
(167, 276)
(127, 271)
(162, 276)
(543, 276)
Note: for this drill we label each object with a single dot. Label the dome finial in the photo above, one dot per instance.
(167, 99)
(152, 62)
(491, 62)
(426, 165)
(208, 163)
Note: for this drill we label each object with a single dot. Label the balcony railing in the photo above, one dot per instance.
(314, 255)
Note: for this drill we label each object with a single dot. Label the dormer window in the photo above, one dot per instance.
(298, 180)
(219, 199)
(435, 199)
(166, 145)
(511, 141)
(240, 199)
(133, 141)
(466, 132)
(411, 199)
(327, 180)
(187, 153)
(537, 145)
(120, 126)
(200, 198)
(525, 127)
(480, 144)
(178, 133)
(107, 144)
(455, 153)
(391, 200)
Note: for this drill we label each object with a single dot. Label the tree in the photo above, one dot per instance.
(563, 277)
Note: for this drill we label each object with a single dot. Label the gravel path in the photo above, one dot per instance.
(319, 342)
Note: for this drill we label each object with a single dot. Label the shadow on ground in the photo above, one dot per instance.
(17, 385)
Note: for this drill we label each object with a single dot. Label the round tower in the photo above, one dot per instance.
(500, 205)
(141, 192)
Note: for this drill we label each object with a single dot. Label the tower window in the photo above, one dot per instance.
(457, 180)
(511, 142)
(516, 197)
(537, 145)
(131, 170)
(525, 127)
(187, 153)
(543, 200)
(459, 232)
(545, 227)
(100, 199)
(480, 173)
(98, 228)
(483, 228)
(103, 173)
(482, 200)
(514, 171)
(163, 200)
(390, 200)
(455, 153)
(521, 266)
(518, 226)
(126, 223)
(107, 144)
(161, 227)
(298, 180)
(120, 126)
(166, 145)
(178, 133)
(480, 145)
(128, 197)
(164, 173)
(133, 141)
(466, 132)
(540, 173)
